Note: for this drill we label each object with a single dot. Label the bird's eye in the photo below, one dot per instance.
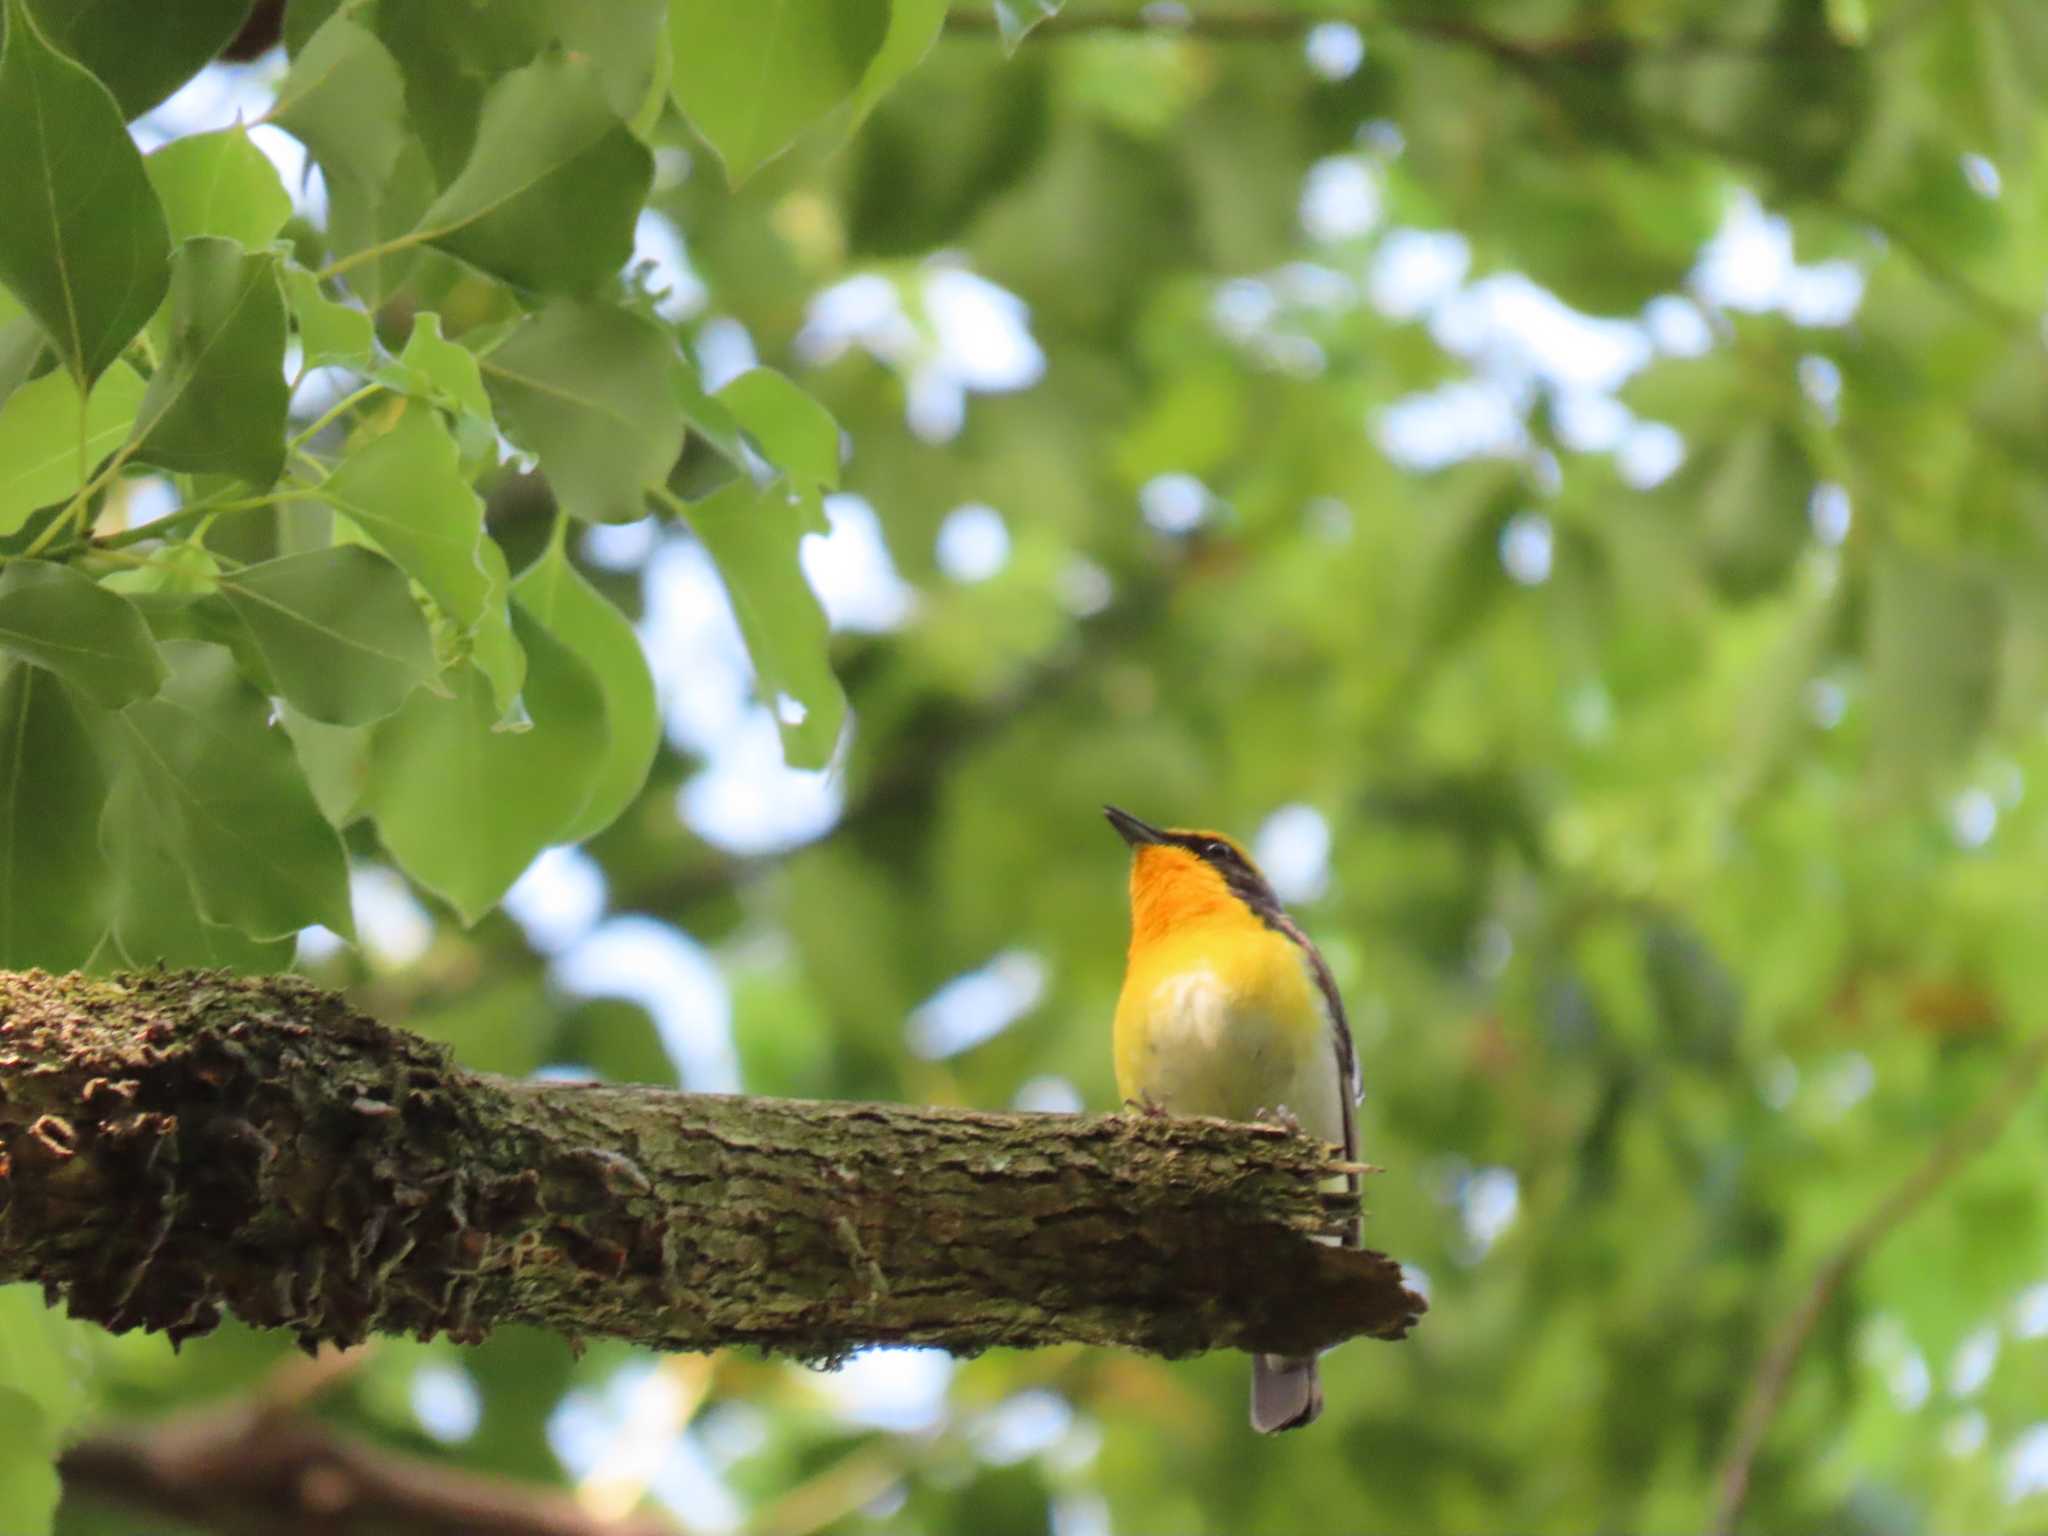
(1217, 850)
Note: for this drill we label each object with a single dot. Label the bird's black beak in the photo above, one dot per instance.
(1133, 831)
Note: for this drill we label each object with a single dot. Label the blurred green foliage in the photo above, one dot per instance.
(1685, 828)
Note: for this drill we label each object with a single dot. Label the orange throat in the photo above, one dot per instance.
(1172, 890)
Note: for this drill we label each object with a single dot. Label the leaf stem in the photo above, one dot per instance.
(84, 429)
(354, 259)
(56, 525)
(99, 482)
(184, 517)
(326, 418)
(122, 557)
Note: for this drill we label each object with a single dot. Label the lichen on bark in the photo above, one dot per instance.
(177, 1145)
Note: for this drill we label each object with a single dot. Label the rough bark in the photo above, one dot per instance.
(176, 1145)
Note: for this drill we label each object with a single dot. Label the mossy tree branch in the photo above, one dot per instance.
(182, 1144)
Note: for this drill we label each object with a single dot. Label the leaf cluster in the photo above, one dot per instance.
(328, 403)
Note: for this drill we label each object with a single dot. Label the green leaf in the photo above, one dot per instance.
(40, 459)
(503, 1025)
(753, 534)
(21, 345)
(217, 403)
(209, 617)
(183, 569)
(794, 432)
(616, 1038)
(92, 638)
(554, 592)
(331, 333)
(336, 760)
(1935, 630)
(53, 879)
(1740, 489)
(303, 19)
(1016, 18)
(82, 238)
(365, 217)
(712, 420)
(219, 184)
(439, 370)
(344, 99)
(452, 52)
(752, 77)
(463, 806)
(405, 490)
(156, 898)
(141, 50)
(493, 645)
(585, 387)
(623, 41)
(28, 1463)
(914, 27)
(43, 1355)
(339, 629)
(551, 192)
(234, 811)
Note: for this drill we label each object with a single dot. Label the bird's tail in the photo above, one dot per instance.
(1287, 1392)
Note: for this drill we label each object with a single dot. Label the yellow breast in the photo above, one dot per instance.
(1223, 1018)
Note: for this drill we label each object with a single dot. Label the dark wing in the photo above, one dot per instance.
(1347, 1055)
(1250, 887)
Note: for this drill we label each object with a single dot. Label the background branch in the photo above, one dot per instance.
(1773, 1377)
(1428, 22)
(246, 1471)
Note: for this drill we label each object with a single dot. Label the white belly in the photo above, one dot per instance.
(1210, 1052)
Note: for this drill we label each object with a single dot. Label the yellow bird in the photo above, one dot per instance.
(1228, 1010)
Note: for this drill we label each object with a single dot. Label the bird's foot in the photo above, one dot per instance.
(1145, 1105)
(1281, 1116)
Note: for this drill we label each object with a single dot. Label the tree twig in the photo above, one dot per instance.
(1773, 1378)
(829, 1496)
(245, 1471)
(1431, 23)
(296, 1381)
